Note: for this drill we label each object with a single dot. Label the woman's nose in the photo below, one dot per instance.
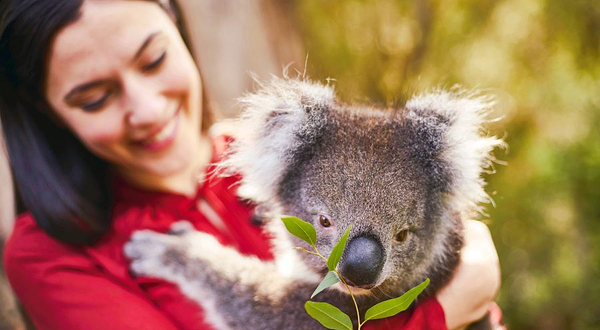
(146, 106)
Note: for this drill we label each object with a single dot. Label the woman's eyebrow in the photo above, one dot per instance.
(145, 45)
(92, 84)
(81, 88)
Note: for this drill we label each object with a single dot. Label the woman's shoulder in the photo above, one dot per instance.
(27, 236)
(29, 247)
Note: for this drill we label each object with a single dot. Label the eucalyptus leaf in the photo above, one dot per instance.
(394, 306)
(328, 315)
(301, 229)
(337, 251)
(330, 279)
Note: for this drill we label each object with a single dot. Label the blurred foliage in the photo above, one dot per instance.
(541, 59)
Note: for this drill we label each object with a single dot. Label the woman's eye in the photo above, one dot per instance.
(96, 104)
(156, 63)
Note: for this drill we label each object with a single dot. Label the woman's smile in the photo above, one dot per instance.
(162, 137)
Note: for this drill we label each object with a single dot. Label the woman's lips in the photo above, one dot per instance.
(163, 138)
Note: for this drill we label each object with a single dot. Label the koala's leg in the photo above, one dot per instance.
(236, 291)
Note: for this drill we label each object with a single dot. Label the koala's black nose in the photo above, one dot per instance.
(362, 261)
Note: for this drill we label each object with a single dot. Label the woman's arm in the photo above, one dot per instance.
(468, 296)
(61, 288)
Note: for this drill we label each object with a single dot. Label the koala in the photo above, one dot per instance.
(403, 178)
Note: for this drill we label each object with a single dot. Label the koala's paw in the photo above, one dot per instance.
(155, 254)
(194, 240)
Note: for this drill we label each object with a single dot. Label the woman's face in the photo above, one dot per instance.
(121, 78)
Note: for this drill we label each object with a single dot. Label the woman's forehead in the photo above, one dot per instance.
(107, 33)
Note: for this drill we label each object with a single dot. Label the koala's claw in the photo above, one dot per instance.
(181, 227)
(144, 243)
(147, 251)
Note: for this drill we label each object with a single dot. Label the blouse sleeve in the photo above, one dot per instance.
(61, 288)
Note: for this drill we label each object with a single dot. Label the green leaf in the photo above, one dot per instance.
(328, 315)
(330, 279)
(337, 251)
(301, 229)
(394, 306)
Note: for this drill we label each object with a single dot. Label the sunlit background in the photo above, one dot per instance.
(541, 59)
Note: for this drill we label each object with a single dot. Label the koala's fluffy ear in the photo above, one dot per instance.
(453, 145)
(282, 117)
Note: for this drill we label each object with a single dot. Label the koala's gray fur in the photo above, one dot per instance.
(303, 153)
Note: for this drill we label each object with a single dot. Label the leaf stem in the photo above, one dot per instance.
(310, 252)
(344, 282)
(319, 254)
(351, 295)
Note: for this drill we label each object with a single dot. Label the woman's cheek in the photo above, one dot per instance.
(179, 78)
(181, 73)
(103, 139)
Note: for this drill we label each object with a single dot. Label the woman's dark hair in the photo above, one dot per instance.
(64, 186)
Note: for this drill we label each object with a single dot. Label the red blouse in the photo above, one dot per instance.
(68, 287)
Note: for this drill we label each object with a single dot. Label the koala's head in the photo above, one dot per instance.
(403, 178)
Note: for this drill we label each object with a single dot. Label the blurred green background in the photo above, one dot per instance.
(541, 59)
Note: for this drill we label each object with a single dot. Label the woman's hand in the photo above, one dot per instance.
(468, 296)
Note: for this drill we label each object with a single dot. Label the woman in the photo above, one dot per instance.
(106, 125)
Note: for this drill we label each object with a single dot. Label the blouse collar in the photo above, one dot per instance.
(125, 192)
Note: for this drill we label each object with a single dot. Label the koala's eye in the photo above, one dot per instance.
(401, 236)
(324, 221)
